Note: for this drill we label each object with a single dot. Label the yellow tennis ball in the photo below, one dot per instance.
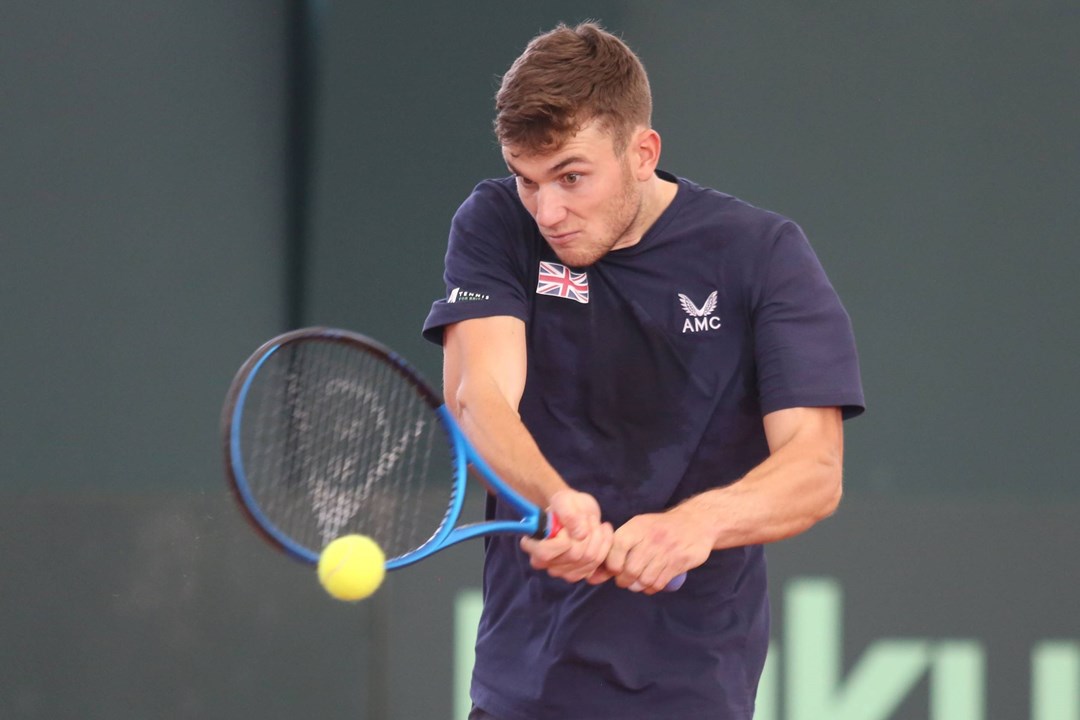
(352, 567)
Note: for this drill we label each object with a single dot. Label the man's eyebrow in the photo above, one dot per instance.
(567, 162)
(512, 169)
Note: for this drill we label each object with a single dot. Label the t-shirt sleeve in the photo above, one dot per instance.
(803, 340)
(485, 263)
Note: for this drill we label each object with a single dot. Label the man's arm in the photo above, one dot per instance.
(795, 487)
(484, 371)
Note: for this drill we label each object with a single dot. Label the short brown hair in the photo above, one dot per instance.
(566, 78)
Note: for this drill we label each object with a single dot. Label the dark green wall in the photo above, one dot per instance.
(930, 151)
(141, 232)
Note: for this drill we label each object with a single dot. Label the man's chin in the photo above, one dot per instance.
(576, 257)
(577, 260)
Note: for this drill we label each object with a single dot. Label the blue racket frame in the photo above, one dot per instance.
(533, 522)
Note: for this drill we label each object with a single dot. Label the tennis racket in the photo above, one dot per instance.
(327, 433)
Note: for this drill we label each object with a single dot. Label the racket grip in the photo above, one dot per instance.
(554, 527)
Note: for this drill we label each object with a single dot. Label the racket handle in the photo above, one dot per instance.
(676, 583)
(555, 526)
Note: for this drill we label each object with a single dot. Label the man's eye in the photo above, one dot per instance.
(571, 178)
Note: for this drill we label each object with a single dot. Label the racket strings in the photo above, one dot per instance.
(342, 443)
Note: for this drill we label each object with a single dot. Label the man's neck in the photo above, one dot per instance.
(658, 195)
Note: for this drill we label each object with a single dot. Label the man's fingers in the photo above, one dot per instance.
(640, 556)
(563, 557)
(543, 552)
(616, 559)
(578, 512)
(597, 548)
(599, 576)
(582, 558)
(648, 581)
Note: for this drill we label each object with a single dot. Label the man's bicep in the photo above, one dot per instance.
(484, 353)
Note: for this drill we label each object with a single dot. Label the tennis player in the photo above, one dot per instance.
(664, 366)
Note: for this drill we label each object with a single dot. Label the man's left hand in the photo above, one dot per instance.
(652, 549)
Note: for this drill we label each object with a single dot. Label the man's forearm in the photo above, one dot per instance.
(497, 433)
(799, 484)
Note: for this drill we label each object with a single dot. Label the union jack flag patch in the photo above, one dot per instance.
(561, 281)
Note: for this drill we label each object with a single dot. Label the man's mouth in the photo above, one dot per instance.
(561, 238)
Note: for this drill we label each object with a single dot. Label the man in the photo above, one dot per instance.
(664, 367)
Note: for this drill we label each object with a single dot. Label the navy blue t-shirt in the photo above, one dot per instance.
(648, 376)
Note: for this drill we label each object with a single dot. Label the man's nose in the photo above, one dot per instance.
(550, 210)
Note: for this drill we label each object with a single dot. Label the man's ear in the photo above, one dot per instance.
(644, 153)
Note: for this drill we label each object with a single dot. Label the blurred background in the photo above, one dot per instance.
(180, 181)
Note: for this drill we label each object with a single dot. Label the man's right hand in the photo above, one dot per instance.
(581, 547)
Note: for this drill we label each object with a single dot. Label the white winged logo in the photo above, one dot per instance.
(701, 318)
(693, 310)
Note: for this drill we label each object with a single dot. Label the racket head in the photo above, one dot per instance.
(328, 432)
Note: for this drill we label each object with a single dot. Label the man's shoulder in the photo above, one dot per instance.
(719, 219)
(492, 202)
(495, 192)
(707, 204)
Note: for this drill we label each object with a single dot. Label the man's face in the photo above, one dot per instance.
(583, 196)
